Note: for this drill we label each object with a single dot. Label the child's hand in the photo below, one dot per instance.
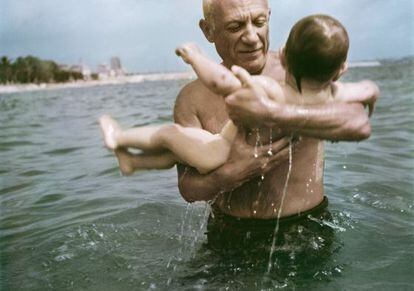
(187, 51)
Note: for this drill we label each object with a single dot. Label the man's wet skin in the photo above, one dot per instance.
(240, 34)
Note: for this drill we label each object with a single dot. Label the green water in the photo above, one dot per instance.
(69, 221)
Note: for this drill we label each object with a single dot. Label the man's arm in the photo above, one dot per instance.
(240, 167)
(332, 121)
(365, 92)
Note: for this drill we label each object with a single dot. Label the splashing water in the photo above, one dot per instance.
(272, 249)
(180, 238)
(200, 230)
(258, 142)
(229, 200)
(179, 255)
(269, 152)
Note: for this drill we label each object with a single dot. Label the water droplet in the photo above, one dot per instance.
(273, 246)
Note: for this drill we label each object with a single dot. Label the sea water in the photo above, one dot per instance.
(68, 220)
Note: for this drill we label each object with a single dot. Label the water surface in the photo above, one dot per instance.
(70, 221)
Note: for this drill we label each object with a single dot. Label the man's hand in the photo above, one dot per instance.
(344, 120)
(365, 92)
(251, 104)
(244, 163)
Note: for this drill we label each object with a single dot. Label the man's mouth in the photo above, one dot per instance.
(250, 55)
(250, 51)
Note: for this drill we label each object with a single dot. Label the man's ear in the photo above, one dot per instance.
(207, 30)
(342, 70)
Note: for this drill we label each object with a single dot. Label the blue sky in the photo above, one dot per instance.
(144, 33)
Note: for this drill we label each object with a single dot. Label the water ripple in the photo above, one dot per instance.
(63, 151)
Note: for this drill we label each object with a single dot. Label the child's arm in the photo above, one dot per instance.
(365, 92)
(214, 76)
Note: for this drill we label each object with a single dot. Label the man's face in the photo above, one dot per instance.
(241, 33)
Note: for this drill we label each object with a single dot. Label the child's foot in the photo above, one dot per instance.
(124, 161)
(109, 128)
(187, 52)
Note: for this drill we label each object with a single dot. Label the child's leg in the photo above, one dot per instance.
(214, 76)
(145, 137)
(129, 163)
(229, 131)
(197, 147)
(194, 146)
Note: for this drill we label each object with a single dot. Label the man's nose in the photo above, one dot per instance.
(250, 35)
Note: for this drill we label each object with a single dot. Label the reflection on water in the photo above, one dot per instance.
(70, 221)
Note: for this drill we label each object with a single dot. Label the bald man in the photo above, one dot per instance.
(249, 186)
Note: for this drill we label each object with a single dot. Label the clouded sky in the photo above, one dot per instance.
(144, 33)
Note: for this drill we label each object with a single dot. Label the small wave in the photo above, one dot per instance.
(108, 171)
(365, 64)
(32, 173)
(63, 151)
(50, 198)
(17, 143)
(78, 177)
(14, 188)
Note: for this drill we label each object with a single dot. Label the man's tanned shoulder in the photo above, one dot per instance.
(189, 99)
(274, 68)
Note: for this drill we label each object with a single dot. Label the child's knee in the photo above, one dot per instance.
(218, 155)
(166, 132)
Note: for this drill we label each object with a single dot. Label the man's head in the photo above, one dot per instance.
(240, 31)
(316, 49)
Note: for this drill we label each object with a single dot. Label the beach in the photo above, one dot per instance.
(120, 80)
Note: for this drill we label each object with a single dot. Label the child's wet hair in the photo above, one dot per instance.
(316, 48)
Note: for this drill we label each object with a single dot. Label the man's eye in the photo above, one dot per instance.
(234, 27)
(260, 22)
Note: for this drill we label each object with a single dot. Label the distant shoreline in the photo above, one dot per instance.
(130, 79)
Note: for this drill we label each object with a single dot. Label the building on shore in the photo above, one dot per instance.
(79, 68)
(114, 70)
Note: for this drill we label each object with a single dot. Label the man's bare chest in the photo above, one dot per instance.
(213, 115)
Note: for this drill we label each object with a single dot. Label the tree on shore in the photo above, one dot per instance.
(30, 69)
